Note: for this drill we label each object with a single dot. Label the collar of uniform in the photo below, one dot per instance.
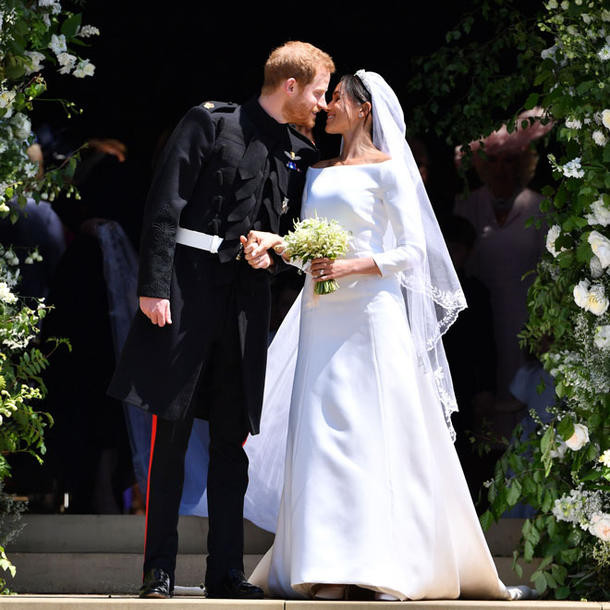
(295, 133)
(265, 122)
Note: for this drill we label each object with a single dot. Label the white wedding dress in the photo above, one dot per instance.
(373, 492)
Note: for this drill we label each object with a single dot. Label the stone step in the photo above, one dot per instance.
(109, 573)
(125, 534)
(116, 534)
(121, 573)
(92, 602)
(103, 553)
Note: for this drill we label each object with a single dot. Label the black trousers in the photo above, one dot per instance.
(221, 390)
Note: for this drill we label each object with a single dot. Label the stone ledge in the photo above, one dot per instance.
(447, 605)
(121, 573)
(102, 573)
(92, 602)
(116, 534)
(125, 534)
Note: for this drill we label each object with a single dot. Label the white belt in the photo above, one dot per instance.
(196, 239)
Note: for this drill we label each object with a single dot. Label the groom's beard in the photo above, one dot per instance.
(300, 112)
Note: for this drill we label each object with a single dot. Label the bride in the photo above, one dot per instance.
(373, 494)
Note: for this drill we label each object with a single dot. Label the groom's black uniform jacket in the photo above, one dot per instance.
(225, 170)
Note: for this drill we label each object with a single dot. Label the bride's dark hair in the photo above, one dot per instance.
(355, 90)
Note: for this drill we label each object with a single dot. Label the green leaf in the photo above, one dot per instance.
(545, 562)
(585, 86)
(547, 439)
(539, 582)
(517, 566)
(559, 573)
(565, 428)
(528, 551)
(569, 556)
(551, 527)
(70, 25)
(514, 493)
(531, 101)
(583, 252)
(547, 501)
(592, 475)
(486, 520)
(562, 592)
(15, 65)
(550, 581)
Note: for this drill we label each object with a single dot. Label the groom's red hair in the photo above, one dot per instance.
(295, 59)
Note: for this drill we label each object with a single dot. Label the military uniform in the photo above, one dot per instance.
(226, 169)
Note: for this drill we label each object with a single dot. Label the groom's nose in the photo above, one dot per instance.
(322, 105)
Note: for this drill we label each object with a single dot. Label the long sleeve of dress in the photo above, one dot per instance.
(174, 181)
(400, 202)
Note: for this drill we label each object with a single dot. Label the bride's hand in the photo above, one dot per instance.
(256, 248)
(330, 269)
(258, 242)
(323, 269)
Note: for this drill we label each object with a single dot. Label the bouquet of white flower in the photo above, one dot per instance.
(317, 238)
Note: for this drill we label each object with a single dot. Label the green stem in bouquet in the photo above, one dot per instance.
(326, 287)
(314, 238)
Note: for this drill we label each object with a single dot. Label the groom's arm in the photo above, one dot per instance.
(172, 186)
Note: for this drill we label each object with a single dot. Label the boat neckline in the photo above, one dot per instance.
(353, 164)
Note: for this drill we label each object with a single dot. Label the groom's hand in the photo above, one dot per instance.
(156, 310)
(261, 241)
(255, 252)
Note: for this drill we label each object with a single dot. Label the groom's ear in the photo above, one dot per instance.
(291, 86)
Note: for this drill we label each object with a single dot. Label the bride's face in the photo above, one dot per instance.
(342, 112)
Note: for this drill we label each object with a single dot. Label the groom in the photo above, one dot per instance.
(197, 346)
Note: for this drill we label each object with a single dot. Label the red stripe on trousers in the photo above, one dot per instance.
(153, 436)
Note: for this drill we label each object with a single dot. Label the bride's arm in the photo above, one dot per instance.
(332, 269)
(400, 201)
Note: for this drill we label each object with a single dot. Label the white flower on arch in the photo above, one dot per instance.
(579, 438)
(601, 339)
(600, 246)
(600, 214)
(551, 237)
(600, 526)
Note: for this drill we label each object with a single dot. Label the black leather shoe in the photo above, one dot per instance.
(156, 585)
(234, 586)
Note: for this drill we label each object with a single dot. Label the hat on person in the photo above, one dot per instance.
(510, 143)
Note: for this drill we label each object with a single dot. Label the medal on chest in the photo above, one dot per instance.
(292, 157)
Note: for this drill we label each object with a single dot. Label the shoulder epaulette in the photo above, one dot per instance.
(214, 106)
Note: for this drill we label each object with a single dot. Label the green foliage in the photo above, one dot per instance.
(557, 58)
(22, 362)
(10, 526)
(30, 35)
(484, 81)
(6, 566)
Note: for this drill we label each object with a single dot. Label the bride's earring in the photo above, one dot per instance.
(361, 114)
